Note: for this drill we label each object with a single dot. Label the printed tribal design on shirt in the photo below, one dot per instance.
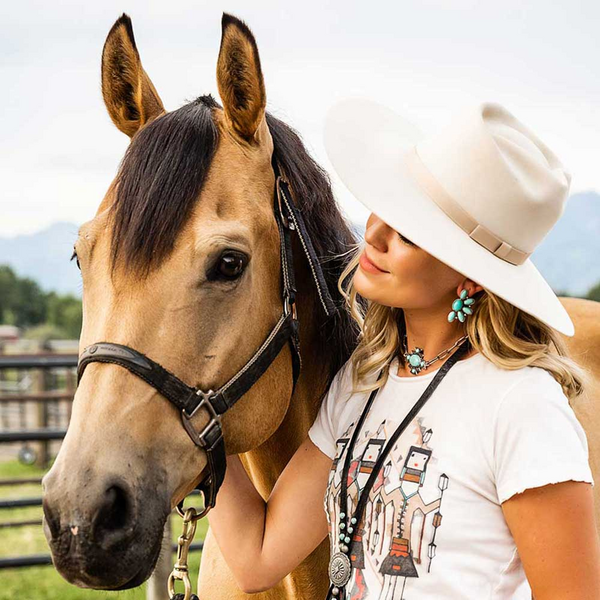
(389, 546)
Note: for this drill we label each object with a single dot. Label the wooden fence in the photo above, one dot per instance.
(32, 412)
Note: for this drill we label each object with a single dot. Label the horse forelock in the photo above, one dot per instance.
(159, 180)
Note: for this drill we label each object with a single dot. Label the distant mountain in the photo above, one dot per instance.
(44, 257)
(569, 256)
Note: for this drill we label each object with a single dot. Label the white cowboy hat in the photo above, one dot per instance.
(479, 195)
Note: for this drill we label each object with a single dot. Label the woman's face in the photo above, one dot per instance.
(395, 272)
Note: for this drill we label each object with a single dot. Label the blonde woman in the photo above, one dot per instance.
(445, 461)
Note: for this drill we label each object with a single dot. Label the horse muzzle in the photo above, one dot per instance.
(106, 534)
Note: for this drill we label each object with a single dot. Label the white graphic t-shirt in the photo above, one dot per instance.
(433, 526)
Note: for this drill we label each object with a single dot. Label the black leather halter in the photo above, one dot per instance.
(189, 399)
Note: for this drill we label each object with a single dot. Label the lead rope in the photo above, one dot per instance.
(181, 570)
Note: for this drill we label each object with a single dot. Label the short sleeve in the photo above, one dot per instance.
(323, 430)
(537, 437)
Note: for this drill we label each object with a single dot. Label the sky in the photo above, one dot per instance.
(425, 59)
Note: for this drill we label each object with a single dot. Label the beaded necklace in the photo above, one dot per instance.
(340, 567)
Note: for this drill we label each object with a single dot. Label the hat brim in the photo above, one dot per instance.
(365, 141)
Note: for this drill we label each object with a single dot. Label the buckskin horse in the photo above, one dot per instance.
(199, 266)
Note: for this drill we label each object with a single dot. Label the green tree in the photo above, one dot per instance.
(31, 307)
(25, 304)
(65, 312)
(594, 293)
(8, 293)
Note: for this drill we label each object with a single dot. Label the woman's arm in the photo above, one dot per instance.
(556, 534)
(264, 541)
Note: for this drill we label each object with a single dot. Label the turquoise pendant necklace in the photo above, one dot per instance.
(415, 358)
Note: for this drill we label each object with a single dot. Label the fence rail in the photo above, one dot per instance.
(20, 481)
(40, 560)
(32, 435)
(37, 361)
(13, 524)
(20, 503)
(50, 396)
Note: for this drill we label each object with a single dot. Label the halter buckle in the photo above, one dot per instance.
(207, 438)
(289, 306)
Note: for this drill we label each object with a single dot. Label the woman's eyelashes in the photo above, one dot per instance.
(405, 240)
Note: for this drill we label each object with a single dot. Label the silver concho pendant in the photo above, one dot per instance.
(339, 569)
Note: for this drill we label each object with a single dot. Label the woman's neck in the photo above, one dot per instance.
(434, 334)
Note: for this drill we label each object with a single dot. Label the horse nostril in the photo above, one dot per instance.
(51, 520)
(114, 514)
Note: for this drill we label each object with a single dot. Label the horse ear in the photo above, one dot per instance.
(239, 77)
(129, 95)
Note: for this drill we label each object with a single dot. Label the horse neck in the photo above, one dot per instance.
(265, 462)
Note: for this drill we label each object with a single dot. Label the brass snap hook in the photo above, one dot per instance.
(184, 541)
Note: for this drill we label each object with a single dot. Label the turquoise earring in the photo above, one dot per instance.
(461, 307)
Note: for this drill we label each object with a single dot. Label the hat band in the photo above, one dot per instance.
(483, 236)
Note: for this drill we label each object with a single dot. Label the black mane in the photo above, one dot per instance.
(162, 174)
(329, 232)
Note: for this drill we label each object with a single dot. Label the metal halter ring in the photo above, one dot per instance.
(195, 517)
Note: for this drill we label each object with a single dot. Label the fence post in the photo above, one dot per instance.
(41, 416)
(157, 584)
(71, 388)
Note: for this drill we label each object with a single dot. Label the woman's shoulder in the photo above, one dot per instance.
(341, 388)
(478, 377)
(525, 387)
(502, 385)
(532, 373)
(342, 381)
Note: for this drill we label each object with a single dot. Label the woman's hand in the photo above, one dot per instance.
(264, 541)
(556, 534)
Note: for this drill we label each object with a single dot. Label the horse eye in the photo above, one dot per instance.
(231, 265)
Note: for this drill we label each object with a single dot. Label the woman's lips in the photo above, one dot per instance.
(368, 266)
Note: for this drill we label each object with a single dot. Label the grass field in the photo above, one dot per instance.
(44, 583)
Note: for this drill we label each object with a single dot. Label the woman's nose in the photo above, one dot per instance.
(376, 233)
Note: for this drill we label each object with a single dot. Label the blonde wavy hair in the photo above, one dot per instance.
(503, 333)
